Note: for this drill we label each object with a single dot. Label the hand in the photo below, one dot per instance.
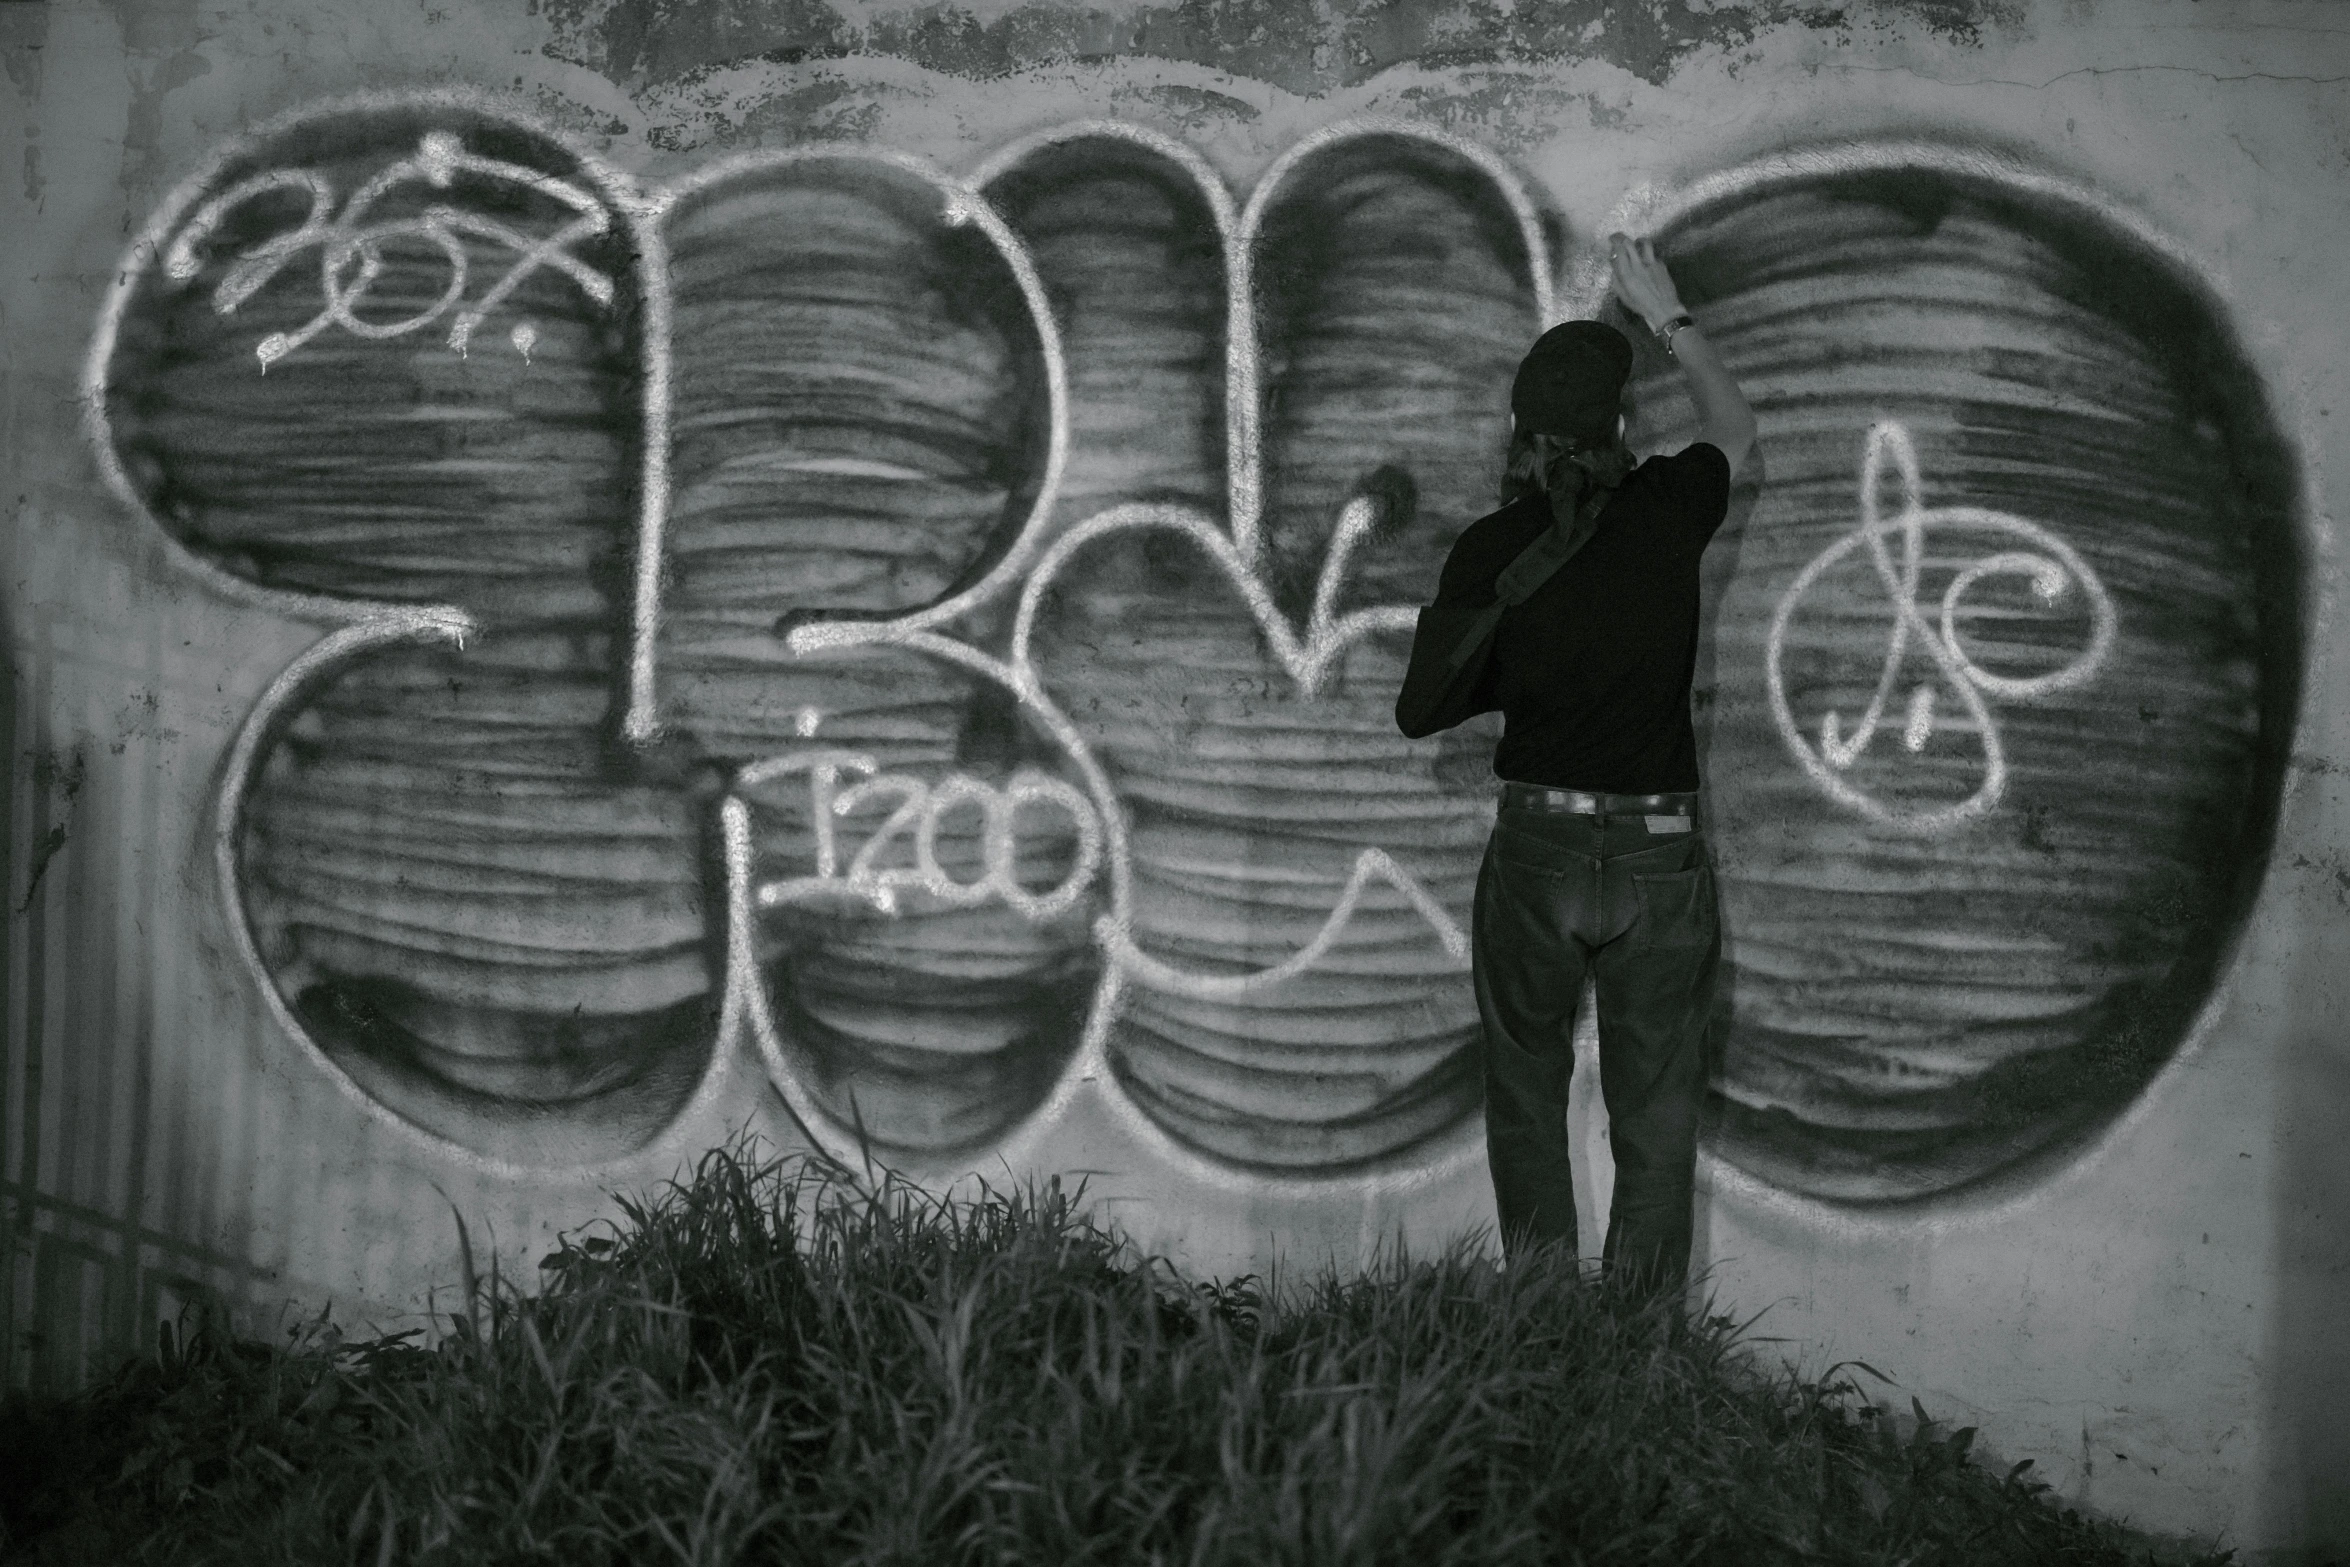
(1642, 282)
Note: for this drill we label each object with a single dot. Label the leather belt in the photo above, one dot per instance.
(1578, 802)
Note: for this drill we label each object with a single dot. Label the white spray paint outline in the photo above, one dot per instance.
(1643, 207)
(1237, 232)
(291, 686)
(2051, 565)
(147, 250)
(1307, 660)
(370, 625)
(362, 626)
(961, 204)
(286, 692)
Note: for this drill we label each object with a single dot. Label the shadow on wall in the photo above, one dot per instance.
(950, 643)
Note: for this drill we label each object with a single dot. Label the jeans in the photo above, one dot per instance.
(1560, 896)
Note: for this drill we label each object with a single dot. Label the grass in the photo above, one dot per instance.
(769, 1363)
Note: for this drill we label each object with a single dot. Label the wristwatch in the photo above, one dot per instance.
(1664, 333)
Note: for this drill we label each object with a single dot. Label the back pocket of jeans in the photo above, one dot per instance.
(1676, 909)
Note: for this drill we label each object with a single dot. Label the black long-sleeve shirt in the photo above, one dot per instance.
(1591, 674)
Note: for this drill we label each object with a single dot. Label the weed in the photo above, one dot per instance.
(776, 1363)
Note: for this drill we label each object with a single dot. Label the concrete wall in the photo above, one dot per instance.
(588, 575)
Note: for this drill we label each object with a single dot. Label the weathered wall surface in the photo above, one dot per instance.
(588, 575)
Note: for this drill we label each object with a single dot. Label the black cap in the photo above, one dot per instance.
(1572, 381)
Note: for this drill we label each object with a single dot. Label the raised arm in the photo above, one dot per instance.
(1646, 288)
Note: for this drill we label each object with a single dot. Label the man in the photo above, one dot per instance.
(1597, 863)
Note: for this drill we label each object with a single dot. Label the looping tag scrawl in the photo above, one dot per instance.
(1667, 823)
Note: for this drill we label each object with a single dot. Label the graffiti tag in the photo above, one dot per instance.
(918, 808)
(2050, 566)
(351, 250)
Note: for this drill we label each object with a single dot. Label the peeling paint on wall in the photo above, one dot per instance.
(1293, 44)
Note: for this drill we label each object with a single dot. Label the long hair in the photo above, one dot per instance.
(1580, 477)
